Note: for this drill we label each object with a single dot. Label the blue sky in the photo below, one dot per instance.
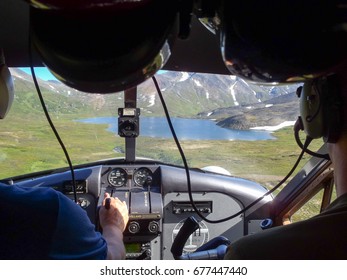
(44, 74)
(41, 72)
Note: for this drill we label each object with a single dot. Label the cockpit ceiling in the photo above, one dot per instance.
(199, 53)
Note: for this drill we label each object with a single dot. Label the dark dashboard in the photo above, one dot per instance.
(158, 201)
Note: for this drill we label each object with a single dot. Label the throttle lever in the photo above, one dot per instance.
(190, 225)
(211, 254)
(108, 203)
(214, 249)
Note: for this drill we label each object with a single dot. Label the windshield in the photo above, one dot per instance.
(222, 121)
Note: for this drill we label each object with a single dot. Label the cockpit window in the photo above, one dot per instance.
(220, 120)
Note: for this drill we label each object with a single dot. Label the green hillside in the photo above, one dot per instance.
(27, 143)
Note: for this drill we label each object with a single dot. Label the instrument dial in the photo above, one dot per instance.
(117, 177)
(141, 175)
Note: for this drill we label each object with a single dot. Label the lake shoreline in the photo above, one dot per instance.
(186, 129)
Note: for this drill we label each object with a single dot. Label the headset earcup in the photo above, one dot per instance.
(310, 110)
(320, 109)
(6, 90)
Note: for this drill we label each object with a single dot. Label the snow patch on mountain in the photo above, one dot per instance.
(151, 100)
(233, 94)
(197, 83)
(184, 77)
(274, 127)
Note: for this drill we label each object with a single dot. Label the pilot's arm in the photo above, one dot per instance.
(113, 222)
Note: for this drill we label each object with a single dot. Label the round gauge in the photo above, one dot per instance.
(141, 175)
(117, 177)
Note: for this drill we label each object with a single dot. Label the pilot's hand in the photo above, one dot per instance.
(115, 215)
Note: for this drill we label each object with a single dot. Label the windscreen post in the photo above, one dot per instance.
(129, 123)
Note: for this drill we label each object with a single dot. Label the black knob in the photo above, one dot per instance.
(134, 227)
(149, 180)
(153, 227)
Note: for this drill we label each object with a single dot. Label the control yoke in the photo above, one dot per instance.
(214, 249)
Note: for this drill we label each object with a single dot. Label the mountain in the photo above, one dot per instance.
(227, 99)
(274, 112)
(192, 94)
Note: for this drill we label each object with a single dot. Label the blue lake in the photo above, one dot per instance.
(186, 129)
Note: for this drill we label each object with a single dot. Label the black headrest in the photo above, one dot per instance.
(103, 48)
(282, 40)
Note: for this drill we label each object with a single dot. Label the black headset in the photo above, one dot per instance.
(320, 111)
(321, 108)
(6, 87)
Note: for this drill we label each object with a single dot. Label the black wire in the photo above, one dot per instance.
(307, 150)
(306, 144)
(50, 121)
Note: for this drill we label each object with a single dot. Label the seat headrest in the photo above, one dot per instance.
(108, 47)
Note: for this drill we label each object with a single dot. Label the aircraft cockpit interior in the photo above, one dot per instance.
(127, 79)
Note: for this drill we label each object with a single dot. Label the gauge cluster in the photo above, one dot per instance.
(129, 177)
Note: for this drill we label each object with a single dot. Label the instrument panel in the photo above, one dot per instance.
(139, 187)
(132, 176)
(158, 202)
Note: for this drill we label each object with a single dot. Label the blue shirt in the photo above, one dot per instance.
(41, 223)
